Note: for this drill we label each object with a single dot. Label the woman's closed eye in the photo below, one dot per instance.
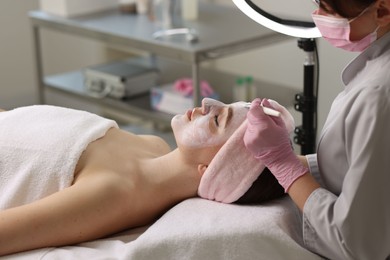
(216, 120)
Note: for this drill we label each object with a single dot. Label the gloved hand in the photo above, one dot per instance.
(268, 140)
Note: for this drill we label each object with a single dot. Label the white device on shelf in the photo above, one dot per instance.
(119, 79)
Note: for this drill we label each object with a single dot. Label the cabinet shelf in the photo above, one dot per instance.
(72, 83)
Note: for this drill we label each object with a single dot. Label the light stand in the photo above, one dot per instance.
(305, 102)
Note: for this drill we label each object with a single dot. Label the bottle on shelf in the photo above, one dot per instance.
(251, 88)
(189, 10)
(142, 6)
(240, 92)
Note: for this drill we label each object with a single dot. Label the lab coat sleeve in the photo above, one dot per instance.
(313, 167)
(355, 224)
(312, 162)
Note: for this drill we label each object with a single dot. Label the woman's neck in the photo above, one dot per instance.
(171, 177)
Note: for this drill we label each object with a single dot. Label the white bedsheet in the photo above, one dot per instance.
(199, 229)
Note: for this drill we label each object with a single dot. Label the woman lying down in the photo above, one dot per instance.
(68, 176)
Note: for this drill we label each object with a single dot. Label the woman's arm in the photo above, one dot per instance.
(302, 188)
(84, 211)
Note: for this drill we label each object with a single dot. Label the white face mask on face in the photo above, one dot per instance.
(205, 129)
(337, 32)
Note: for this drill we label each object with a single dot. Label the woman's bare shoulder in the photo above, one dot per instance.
(158, 143)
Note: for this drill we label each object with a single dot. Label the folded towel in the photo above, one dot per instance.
(233, 169)
(39, 149)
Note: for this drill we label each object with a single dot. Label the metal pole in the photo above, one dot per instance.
(306, 101)
(38, 65)
(197, 98)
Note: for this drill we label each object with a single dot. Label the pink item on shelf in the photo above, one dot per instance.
(185, 87)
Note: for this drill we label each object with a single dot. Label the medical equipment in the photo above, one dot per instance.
(267, 110)
(119, 79)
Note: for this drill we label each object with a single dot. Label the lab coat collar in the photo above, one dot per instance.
(375, 50)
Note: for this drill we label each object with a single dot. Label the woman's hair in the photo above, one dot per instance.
(345, 8)
(265, 188)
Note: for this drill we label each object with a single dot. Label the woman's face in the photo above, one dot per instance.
(208, 126)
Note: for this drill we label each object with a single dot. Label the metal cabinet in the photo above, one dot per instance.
(222, 31)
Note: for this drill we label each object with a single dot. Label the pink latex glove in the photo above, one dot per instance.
(268, 140)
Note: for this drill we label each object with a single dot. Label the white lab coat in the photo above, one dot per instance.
(349, 218)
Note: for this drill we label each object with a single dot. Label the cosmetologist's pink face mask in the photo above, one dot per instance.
(337, 32)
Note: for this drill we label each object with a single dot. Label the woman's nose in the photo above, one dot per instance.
(207, 103)
(197, 111)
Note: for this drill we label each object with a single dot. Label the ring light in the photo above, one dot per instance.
(295, 28)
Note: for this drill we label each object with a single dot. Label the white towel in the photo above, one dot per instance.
(39, 149)
(198, 229)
